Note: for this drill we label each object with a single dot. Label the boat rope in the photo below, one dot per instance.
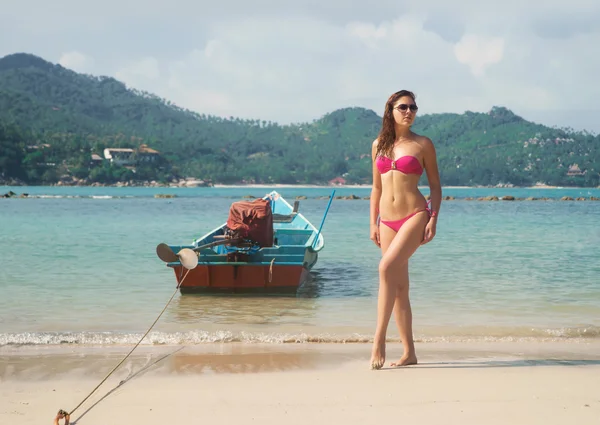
(271, 270)
(128, 354)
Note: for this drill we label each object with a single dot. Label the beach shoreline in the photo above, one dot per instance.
(492, 383)
(289, 186)
(24, 361)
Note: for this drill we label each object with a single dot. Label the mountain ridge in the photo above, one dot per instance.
(75, 112)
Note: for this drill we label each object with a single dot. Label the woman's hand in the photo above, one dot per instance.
(429, 233)
(375, 234)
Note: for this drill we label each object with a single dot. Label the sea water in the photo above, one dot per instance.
(78, 266)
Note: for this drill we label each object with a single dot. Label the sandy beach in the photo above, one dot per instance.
(484, 383)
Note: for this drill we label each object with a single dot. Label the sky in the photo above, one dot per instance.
(294, 61)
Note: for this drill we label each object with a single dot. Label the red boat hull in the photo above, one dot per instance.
(240, 278)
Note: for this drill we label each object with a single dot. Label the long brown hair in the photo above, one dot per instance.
(387, 135)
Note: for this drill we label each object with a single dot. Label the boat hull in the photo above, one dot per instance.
(282, 266)
(241, 278)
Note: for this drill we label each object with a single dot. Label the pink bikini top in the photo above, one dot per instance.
(406, 164)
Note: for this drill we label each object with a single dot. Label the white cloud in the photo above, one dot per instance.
(294, 61)
(368, 33)
(139, 74)
(76, 61)
(479, 52)
(298, 69)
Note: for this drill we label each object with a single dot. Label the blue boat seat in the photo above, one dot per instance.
(284, 218)
(287, 236)
(287, 218)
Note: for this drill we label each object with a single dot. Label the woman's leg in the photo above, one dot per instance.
(386, 236)
(393, 276)
(403, 315)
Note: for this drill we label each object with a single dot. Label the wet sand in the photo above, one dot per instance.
(459, 383)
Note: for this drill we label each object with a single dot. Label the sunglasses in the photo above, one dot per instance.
(404, 107)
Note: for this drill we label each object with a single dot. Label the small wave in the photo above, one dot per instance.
(80, 197)
(162, 338)
(54, 196)
(204, 337)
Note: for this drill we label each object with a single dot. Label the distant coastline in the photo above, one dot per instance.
(191, 182)
(367, 186)
(276, 186)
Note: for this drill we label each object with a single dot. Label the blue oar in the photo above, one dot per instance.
(323, 221)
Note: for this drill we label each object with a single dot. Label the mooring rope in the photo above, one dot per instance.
(271, 270)
(128, 354)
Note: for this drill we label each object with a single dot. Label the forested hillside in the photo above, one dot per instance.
(52, 120)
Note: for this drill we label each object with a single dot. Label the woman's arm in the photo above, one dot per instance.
(375, 198)
(433, 176)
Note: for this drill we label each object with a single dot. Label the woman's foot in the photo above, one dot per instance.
(378, 355)
(406, 360)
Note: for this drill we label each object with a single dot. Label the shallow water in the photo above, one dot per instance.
(78, 266)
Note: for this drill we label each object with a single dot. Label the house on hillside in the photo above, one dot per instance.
(338, 181)
(120, 156)
(33, 148)
(96, 160)
(574, 170)
(146, 154)
(129, 157)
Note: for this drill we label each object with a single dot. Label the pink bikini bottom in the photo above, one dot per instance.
(395, 225)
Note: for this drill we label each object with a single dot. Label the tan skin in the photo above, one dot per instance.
(62, 415)
(396, 195)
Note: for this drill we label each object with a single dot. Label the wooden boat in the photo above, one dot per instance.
(226, 263)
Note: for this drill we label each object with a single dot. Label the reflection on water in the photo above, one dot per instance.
(240, 362)
(332, 281)
(335, 279)
(231, 358)
(313, 287)
(241, 309)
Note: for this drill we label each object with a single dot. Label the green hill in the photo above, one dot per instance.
(52, 120)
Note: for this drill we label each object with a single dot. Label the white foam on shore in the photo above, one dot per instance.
(204, 337)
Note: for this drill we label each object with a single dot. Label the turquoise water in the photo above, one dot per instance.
(78, 266)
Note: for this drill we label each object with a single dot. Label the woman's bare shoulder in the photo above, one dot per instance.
(374, 146)
(424, 141)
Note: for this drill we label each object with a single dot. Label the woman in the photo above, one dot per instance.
(400, 218)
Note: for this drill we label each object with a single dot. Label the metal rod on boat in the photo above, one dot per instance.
(221, 242)
(323, 221)
(166, 254)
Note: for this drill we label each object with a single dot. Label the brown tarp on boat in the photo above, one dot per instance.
(252, 220)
